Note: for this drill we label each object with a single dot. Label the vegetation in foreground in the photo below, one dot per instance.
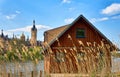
(116, 54)
(93, 60)
(18, 51)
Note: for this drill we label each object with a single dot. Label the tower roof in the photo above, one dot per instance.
(33, 28)
(2, 35)
(22, 35)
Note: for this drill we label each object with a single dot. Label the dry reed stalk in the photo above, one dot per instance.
(92, 62)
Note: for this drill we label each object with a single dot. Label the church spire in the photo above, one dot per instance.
(34, 28)
(33, 22)
(13, 36)
(33, 39)
(2, 35)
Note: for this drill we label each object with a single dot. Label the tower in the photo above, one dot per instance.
(2, 35)
(33, 39)
(22, 37)
(2, 40)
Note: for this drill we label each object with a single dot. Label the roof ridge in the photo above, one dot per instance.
(81, 16)
(57, 27)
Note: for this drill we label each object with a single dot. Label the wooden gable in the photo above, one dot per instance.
(51, 35)
(65, 47)
(68, 32)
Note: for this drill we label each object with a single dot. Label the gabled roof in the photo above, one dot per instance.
(54, 33)
(58, 32)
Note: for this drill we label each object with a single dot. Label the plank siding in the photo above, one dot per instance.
(91, 36)
(68, 39)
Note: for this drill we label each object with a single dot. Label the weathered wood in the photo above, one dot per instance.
(84, 75)
(8, 74)
(69, 42)
(40, 73)
(21, 74)
(69, 75)
(32, 74)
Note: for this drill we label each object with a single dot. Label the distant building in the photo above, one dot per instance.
(22, 37)
(4, 40)
(33, 39)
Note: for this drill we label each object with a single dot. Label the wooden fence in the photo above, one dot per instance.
(23, 74)
(41, 74)
(86, 75)
(21, 69)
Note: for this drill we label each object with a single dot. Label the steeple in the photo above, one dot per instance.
(22, 37)
(34, 28)
(34, 23)
(13, 36)
(33, 39)
(2, 35)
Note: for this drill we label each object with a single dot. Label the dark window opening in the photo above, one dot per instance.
(80, 33)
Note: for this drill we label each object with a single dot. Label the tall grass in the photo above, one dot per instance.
(17, 50)
(18, 57)
(92, 59)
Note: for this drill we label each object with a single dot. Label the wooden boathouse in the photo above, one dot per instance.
(76, 47)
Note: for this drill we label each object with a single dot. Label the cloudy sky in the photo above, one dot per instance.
(16, 16)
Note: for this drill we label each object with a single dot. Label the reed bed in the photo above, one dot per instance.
(18, 59)
(89, 59)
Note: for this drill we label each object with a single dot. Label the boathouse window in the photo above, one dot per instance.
(80, 33)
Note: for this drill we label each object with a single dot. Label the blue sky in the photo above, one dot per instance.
(16, 16)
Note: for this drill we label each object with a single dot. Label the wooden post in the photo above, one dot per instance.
(21, 74)
(8, 74)
(40, 73)
(0, 74)
(32, 74)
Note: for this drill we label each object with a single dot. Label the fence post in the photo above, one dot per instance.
(20, 74)
(32, 74)
(8, 74)
(0, 74)
(40, 73)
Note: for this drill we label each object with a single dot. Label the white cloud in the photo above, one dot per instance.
(12, 16)
(103, 19)
(28, 28)
(9, 17)
(18, 12)
(8, 33)
(66, 1)
(112, 9)
(69, 20)
(93, 20)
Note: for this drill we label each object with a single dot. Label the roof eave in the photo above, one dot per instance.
(81, 16)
